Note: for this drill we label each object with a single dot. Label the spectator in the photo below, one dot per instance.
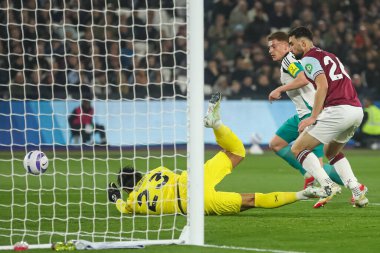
(372, 78)
(235, 90)
(257, 9)
(223, 7)
(242, 69)
(219, 30)
(138, 25)
(359, 86)
(17, 86)
(279, 19)
(239, 15)
(258, 28)
(369, 131)
(248, 88)
(82, 124)
(211, 73)
(72, 75)
(264, 87)
(222, 85)
(104, 42)
(4, 74)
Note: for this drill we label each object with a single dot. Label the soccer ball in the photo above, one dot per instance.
(36, 162)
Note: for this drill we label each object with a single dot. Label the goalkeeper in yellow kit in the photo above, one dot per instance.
(161, 191)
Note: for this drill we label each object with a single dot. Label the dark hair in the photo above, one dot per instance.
(280, 36)
(300, 32)
(128, 177)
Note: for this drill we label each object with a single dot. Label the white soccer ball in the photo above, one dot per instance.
(36, 162)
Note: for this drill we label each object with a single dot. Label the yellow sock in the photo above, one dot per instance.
(274, 199)
(229, 141)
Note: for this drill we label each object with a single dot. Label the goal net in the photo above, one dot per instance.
(124, 67)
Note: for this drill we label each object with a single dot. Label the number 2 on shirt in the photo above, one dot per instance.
(332, 74)
(157, 179)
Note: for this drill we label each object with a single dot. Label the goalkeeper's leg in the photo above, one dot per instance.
(277, 199)
(223, 134)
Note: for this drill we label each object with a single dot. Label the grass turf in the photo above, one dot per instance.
(338, 227)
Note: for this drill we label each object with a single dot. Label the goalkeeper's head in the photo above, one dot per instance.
(128, 178)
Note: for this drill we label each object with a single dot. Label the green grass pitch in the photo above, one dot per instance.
(338, 227)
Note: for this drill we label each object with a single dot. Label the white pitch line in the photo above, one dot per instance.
(370, 203)
(250, 249)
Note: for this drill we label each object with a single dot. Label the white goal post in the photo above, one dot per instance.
(139, 65)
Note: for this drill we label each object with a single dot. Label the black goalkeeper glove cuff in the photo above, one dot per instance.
(113, 192)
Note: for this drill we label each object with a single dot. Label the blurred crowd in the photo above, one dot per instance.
(136, 49)
(80, 49)
(236, 48)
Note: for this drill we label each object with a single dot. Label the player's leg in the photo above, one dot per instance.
(225, 138)
(329, 125)
(318, 151)
(86, 136)
(282, 149)
(343, 168)
(274, 199)
(330, 170)
(277, 199)
(286, 134)
(352, 117)
(102, 133)
(310, 162)
(222, 203)
(222, 163)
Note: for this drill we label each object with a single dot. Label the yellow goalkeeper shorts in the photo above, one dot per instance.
(217, 202)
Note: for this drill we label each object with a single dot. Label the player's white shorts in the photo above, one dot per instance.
(336, 123)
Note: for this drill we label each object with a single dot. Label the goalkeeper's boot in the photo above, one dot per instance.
(212, 118)
(330, 192)
(363, 188)
(361, 200)
(313, 192)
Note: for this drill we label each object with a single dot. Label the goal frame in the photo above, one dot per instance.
(195, 96)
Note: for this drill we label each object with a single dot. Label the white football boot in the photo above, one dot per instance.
(362, 188)
(314, 192)
(212, 118)
(361, 201)
(330, 191)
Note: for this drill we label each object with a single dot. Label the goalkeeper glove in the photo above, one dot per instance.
(113, 192)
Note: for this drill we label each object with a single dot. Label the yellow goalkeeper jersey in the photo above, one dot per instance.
(159, 191)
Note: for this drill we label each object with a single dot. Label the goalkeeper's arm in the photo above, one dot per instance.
(114, 195)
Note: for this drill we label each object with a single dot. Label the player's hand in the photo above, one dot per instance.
(305, 123)
(113, 192)
(274, 95)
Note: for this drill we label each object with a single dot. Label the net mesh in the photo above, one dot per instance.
(127, 60)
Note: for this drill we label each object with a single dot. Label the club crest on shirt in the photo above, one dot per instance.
(309, 68)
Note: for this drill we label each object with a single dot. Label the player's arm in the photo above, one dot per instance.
(320, 96)
(121, 205)
(298, 82)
